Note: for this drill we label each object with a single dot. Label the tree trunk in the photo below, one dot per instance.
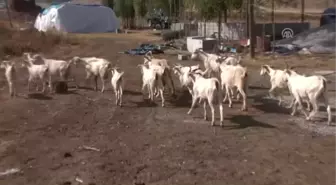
(204, 28)
(219, 25)
(225, 14)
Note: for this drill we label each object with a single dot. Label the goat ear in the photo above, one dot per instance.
(266, 67)
(288, 71)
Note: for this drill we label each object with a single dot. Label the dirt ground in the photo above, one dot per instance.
(44, 136)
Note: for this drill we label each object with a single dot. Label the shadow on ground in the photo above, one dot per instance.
(268, 105)
(183, 99)
(39, 96)
(245, 121)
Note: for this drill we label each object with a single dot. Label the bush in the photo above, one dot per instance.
(172, 35)
(14, 42)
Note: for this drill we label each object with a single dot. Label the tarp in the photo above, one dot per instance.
(316, 40)
(74, 18)
(143, 49)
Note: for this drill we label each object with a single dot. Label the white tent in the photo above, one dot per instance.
(76, 18)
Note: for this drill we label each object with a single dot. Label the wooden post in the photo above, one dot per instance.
(302, 10)
(9, 15)
(273, 24)
(251, 27)
(247, 19)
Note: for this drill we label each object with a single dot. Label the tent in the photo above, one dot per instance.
(77, 18)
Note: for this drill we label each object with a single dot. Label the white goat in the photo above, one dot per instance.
(234, 76)
(183, 73)
(36, 71)
(59, 68)
(312, 88)
(206, 89)
(230, 59)
(96, 67)
(117, 84)
(166, 77)
(152, 79)
(278, 81)
(10, 74)
(212, 63)
(209, 60)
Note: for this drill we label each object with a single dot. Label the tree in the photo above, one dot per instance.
(210, 9)
(140, 7)
(125, 10)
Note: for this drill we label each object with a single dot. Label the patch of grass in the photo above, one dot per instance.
(14, 42)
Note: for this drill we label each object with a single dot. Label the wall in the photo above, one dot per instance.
(237, 31)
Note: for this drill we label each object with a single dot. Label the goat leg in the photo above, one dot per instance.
(212, 111)
(204, 109)
(120, 96)
(194, 100)
(96, 83)
(103, 85)
(29, 81)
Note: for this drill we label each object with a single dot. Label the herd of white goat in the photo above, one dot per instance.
(223, 77)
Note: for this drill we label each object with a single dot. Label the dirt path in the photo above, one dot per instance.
(43, 136)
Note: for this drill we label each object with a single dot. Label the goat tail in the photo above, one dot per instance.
(324, 84)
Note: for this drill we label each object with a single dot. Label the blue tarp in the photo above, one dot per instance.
(143, 49)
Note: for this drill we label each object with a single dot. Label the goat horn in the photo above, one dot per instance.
(287, 67)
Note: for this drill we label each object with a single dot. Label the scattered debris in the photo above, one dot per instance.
(139, 183)
(304, 51)
(67, 183)
(79, 180)
(91, 148)
(10, 171)
(143, 49)
(67, 154)
(182, 57)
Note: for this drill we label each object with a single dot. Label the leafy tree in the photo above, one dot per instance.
(125, 10)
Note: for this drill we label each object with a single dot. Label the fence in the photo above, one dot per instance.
(288, 22)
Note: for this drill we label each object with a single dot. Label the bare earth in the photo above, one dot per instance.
(43, 136)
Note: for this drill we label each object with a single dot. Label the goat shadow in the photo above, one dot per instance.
(182, 99)
(144, 103)
(38, 96)
(268, 105)
(133, 93)
(245, 121)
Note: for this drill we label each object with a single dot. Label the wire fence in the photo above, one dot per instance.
(236, 28)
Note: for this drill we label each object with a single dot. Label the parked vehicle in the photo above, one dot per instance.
(328, 16)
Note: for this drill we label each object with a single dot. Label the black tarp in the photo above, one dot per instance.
(316, 40)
